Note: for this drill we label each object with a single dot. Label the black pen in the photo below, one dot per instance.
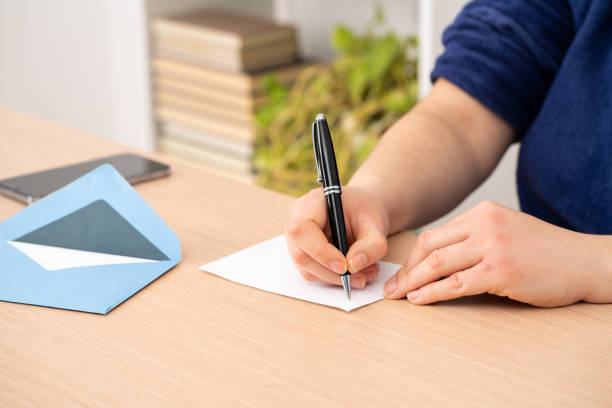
(327, 171)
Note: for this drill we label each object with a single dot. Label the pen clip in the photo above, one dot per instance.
(315, 143)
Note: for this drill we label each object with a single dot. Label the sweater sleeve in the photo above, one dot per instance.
(506, 53)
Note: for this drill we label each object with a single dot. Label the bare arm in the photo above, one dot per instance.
(434, 156)
(424, 165)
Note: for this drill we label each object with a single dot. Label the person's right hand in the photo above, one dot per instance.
(308, 237)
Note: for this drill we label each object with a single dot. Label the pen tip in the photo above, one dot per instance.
(320, 116)
(346, 284)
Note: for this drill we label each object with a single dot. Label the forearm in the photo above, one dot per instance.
(420, 170)
(433, 157)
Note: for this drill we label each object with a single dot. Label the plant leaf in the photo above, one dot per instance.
(357, 81)
(342, 39)
(380, 57)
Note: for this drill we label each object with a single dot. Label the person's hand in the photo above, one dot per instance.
(308, 237)
(493, 249)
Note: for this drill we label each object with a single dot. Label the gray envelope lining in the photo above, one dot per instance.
(97, 227)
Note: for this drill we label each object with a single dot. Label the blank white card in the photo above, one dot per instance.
(268, 266)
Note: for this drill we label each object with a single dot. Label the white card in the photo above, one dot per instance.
(269, 267)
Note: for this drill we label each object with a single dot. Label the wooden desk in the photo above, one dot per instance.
(193, 339)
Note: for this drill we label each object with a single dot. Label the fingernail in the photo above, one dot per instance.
(414, 295)
(358, 262)
(391, 285)
(338, 267)
(371, 276)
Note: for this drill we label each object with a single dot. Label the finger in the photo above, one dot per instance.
(371, 272)
(436, 238)
(358, 281)
(438, 264)
(309, 277)
(370, 246)
(309, 238)
(463, 283)
(312, 271)
(428, 241)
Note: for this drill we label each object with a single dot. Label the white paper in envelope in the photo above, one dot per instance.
(269, 267)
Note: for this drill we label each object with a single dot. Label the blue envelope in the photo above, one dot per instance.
(89, 246)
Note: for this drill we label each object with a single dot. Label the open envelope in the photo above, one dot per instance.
(89, 246)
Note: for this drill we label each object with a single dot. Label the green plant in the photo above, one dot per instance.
(369, 85)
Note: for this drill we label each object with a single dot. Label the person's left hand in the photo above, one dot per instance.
(493, 249)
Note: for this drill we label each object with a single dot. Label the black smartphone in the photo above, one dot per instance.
(34, 186)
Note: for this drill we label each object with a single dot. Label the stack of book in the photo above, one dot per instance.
(208, 67)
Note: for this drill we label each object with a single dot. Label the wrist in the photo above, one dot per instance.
(599, 282)
(375, 198)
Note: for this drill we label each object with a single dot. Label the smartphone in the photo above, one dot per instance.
(34, 186)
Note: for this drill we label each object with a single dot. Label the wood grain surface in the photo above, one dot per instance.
(194, 339)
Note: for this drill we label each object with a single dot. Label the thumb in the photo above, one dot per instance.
(370, 246)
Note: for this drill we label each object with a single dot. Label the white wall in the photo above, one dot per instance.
(46, 70)
(78, 63)
(315, 20)
(434, 16)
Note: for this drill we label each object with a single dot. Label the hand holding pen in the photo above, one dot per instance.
(309, 234)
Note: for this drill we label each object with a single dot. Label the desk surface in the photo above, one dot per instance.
(194, 339)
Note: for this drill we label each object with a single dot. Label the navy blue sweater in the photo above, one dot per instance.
(545, 66)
